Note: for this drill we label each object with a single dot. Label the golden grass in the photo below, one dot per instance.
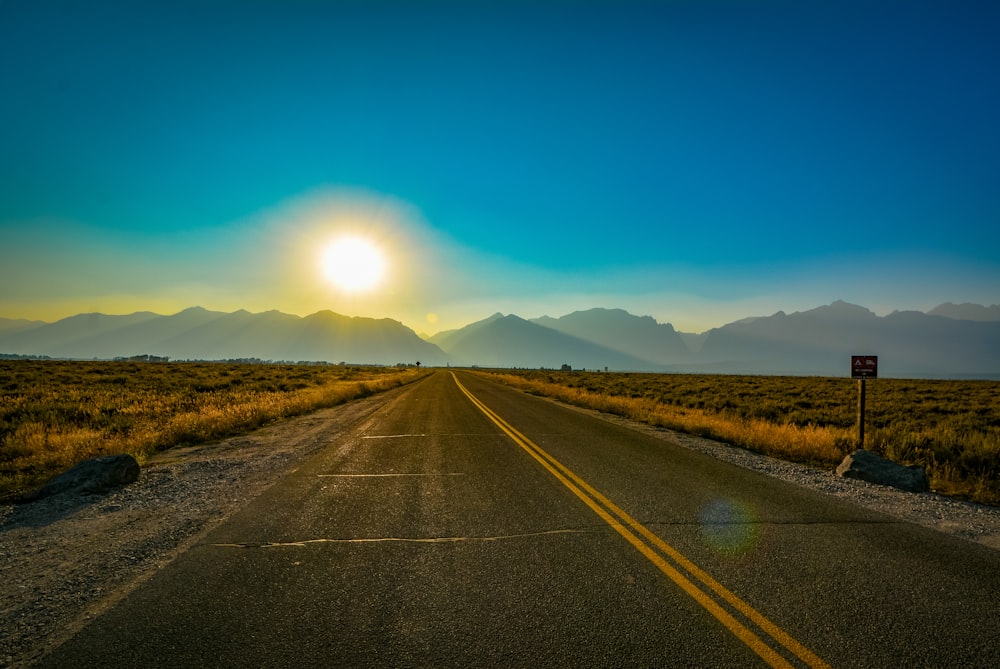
(951, 428)
(54, 414)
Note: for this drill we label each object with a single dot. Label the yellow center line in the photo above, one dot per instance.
(631, 530)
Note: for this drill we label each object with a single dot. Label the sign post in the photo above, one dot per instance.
(863, 367)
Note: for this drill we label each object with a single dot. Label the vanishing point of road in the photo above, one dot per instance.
(465, 524)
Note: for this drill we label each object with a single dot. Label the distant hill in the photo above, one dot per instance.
(967, 311)
(815, 342)
(10, 325)
(820, 341)
(511, 341)
(616, 329)
(694, 341)
(447, 338)
(951, 341)
(197, 333)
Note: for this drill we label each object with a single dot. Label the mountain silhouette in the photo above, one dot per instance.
(950, 341)
(819, 341)
(447, 338)
(967, 311)
(618, 330)
(200, 334)
(511, 341)
(11, 325)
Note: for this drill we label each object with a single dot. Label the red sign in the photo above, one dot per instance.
(864, 366)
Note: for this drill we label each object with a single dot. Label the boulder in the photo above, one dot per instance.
(92, 476)
(867, 466)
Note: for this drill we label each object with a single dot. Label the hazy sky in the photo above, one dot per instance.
(698, 161)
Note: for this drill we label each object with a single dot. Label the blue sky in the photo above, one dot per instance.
(696, 161)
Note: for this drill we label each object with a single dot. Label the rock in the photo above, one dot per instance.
(867, 466)
(96, 475)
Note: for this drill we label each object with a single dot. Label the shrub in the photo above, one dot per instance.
(951, 428)
(54, 414)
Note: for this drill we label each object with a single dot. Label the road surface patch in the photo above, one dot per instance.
(666, 558)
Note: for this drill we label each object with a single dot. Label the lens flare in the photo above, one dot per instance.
(730, 527)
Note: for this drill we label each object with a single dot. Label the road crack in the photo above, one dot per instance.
(416, 540)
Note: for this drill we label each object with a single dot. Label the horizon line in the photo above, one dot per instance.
(422, 331)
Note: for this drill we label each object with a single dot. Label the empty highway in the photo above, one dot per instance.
(465, 524)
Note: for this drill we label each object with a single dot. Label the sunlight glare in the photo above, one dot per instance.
(354, 264)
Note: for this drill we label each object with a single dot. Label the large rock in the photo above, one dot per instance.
(867, 466)
(92, 476)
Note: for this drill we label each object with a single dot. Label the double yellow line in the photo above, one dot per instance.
(666, 558)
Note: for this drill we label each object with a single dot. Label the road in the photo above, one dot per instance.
(465, 524)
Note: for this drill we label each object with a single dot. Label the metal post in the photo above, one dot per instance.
(861, 413)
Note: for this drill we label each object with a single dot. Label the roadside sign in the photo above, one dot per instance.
(864, 366)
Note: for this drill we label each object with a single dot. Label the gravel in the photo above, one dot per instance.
(65, 559)
(974, 522)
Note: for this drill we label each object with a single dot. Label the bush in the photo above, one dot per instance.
(951, 428)
(54, 414)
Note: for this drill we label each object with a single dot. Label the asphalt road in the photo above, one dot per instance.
(488, 528)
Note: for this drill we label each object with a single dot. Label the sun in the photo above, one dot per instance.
(354, 264)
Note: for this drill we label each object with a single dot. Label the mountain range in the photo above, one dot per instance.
(949, 341)
(199, 334)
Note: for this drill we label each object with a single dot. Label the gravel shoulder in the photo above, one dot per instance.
(65, 559)
(974, 522)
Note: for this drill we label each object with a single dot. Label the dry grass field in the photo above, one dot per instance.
(952, 428)
(54, 414)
